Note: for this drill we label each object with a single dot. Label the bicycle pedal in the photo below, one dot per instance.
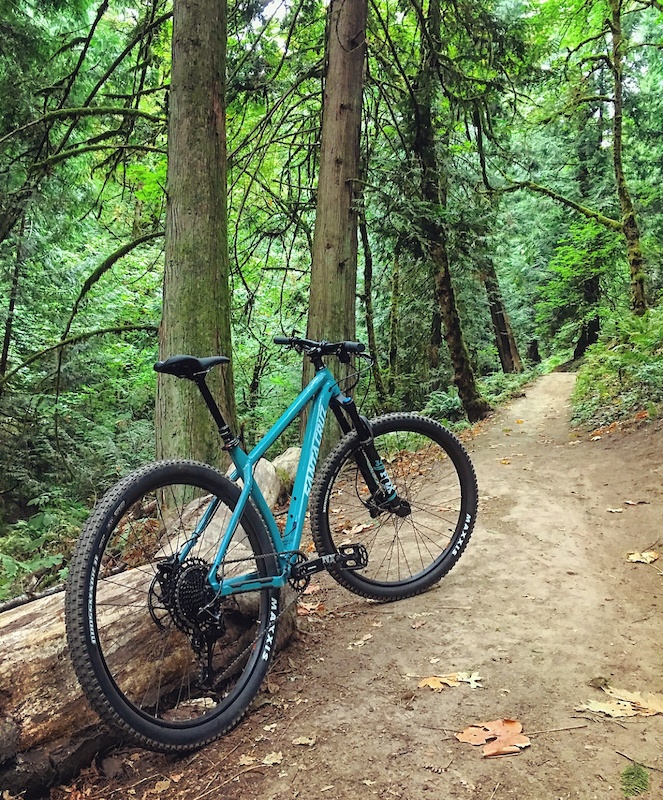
(353, 556)
(348, 556)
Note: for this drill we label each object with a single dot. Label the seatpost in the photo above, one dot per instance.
(229, 441)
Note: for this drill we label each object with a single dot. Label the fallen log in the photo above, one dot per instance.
(48, 732)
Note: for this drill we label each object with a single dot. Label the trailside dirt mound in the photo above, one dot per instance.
(544, 606)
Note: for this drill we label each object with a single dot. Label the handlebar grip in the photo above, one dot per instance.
(282, 340)
(354, 347)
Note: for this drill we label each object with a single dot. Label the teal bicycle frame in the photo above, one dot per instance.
(319, 392)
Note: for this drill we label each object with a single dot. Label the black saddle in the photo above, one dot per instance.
(189, 367)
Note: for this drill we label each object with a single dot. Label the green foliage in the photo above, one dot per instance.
(634, 780)
(500, 387)
(34, 552)
(445, 406)
(623, 373)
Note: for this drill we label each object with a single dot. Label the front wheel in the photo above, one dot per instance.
(158, 654)
(413, 542)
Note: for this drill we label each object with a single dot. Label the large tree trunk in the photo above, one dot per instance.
(631, 229)
(334, 268)
(196, 295)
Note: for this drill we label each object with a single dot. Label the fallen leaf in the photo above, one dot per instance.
(246, 760)
(648, 557)
(269, 728)
(357, 529)
(615, 510)
(611, 708)
(520, 421)
(273, 758)
(438, 682)
(307, 741)
(472, 678)
(645, 705)
(312, 588)
(305, 609)
(507, 746)
(161, 786)
(360, 642)
(504, 461)
(419, 624)
(595, 439)
(500, 737)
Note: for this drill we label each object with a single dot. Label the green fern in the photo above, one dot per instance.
(635, 780)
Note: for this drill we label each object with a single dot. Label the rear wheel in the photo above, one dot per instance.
(413, 546)
(158, 655)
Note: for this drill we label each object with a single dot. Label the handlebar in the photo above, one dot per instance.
(317, 349)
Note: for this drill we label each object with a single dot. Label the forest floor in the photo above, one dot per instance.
(543, 603)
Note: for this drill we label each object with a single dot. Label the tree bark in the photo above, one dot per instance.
(196, 293)
(334, 267)
(434, 191)
(368, 309)
(507, 348)
(394, 316)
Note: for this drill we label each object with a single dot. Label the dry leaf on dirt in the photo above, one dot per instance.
(504, 461)
(648, 557)
(360, 642)
(500, 737)
(438, 682)
(357, 529)
(306, 741)
(626, 704)
(246, 760)
(305, 609)
(161, 786)
(611, 708)
(312, 588)
(646, 704)
(614, 510)
(273, 758)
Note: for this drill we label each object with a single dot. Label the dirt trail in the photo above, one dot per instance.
(542, 602)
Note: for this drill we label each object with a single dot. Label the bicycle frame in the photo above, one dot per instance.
(320, 393)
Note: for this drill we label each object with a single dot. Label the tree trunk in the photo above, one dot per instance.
(368, 308)
(434, 191)
(630, 224)
(13, 294)
(334, 267)
(394, 315)
(507, 348)
(196, 294)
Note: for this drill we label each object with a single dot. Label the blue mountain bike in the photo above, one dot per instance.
(174, 595)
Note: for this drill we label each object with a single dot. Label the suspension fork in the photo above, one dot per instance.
(383, 494)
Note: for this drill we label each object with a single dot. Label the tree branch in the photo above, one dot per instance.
(84, 111)
(608, 222)
(80, 337)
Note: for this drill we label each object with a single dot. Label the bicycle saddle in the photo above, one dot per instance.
(189, 367)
